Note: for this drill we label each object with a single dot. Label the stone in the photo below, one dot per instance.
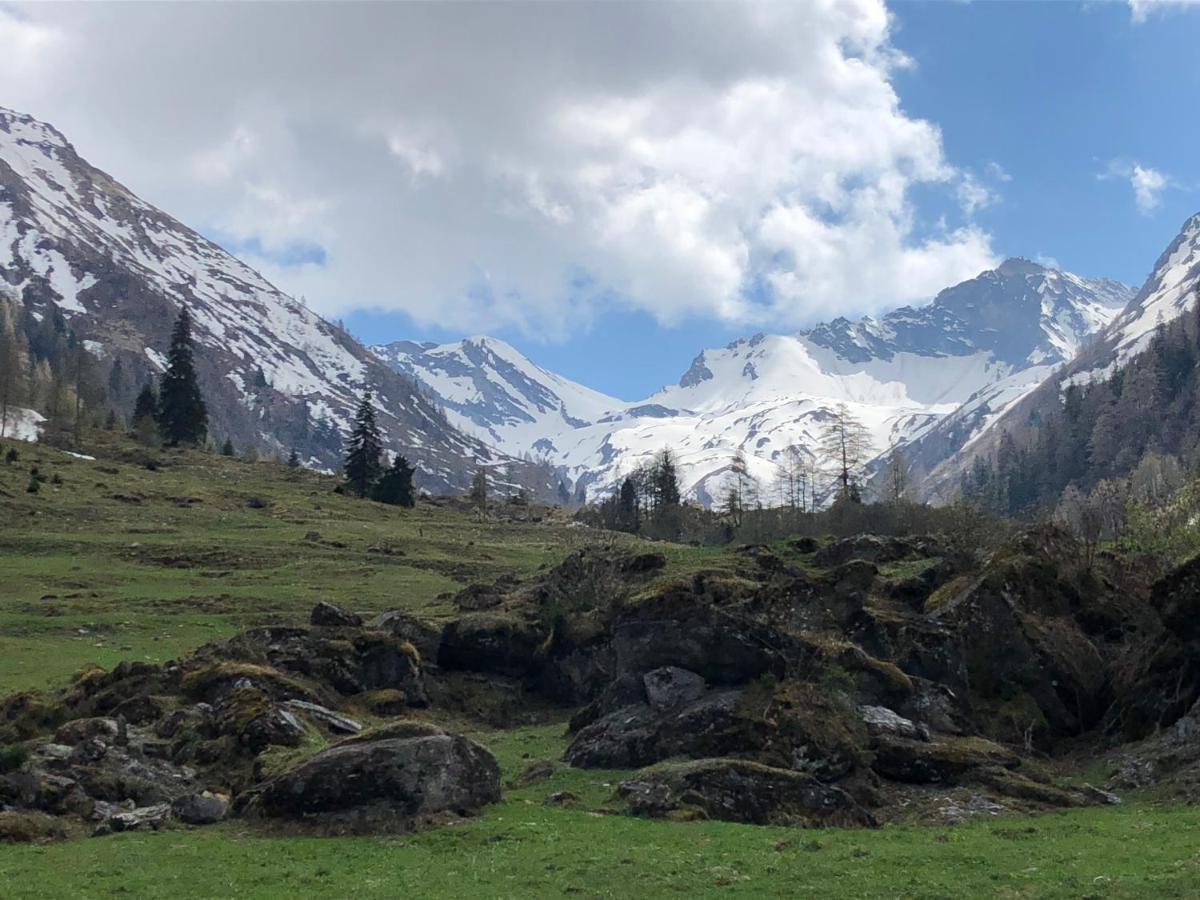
(79, 730)
(736, 790)
(942, 761)
(335, 722)
(881, 720)
(326, 615)
(1097, 795)
(205, 808)
(403, 771)
(494, 643)
(671, 687)
(142, 818)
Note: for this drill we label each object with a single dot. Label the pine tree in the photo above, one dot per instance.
(396, 485)
(627, 517)
(664, 481)
(363, 449)
(293, 460)
(182, 416)
(227, 447)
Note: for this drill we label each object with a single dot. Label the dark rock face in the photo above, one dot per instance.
(672, 687)
(940, 761)
(739, 791)
(392, 778)
(486, 642)
(326, 615)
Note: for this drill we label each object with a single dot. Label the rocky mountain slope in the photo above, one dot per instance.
(277, 375)
(1170, 291)
(975, 350)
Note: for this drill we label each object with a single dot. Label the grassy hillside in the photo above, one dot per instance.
(113, 560)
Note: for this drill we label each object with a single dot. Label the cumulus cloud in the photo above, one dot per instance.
(528, 165)
(1148, 184)
(1140, 10)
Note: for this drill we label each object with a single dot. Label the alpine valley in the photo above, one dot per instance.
(941, 380)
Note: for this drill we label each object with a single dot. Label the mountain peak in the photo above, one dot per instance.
(1019, 265)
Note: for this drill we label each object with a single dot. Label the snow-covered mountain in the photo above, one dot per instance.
(490, 389)
(1172, 289)
(976, 349)
(75, 241)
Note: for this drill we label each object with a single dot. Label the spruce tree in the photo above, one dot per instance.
(293, 460)
(396, 485)
(182, 416)
(227, 447)
(363, 449)
(146, 405)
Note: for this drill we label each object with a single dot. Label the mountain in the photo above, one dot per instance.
(491, 389)
(76, 243)
(1170, 291)
(975, 350)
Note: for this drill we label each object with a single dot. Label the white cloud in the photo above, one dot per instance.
(467, 164)
(1140, 10)
(1148, 184)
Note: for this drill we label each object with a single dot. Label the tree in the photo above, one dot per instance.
(846, 447)
(897, 476)
(628, 516)
(293, 460)
(479, 490)
(227, 447)
(396, 485)
(664, 481)
(182, 416)
(363, 449)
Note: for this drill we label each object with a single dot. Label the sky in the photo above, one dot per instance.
(612, 187)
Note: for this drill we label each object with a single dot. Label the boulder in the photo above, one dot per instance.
(205, 808)
(335, 722)
(736, 790)
(79, 730)
(881, 720)
(495, 643)
(672, 687)
(943, 760)
(384, 778)
(142, 818)
(326, 615)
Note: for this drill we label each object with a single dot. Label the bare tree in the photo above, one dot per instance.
(898, 476)
(845, 447)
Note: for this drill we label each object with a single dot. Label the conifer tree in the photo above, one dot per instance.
(182, 416)
(396, 485)
(363, 449)
(293, 460)
(227, 447)
(479, 491)
(628, 517)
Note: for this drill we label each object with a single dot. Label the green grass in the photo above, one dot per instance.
(120, 562)
(524, 848)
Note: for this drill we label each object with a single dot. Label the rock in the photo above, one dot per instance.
(881, 720)
(335, 722)
(17, 827)
(489, 642)
(143, 818)
(205, 808)
(672, 687)
(562, 798)
(942, 760)
(79, 730)
(326, 615)
(384, 778)
(421, 635)
(1097, 795)
(644, 563)
(736, 790)
(871, 548)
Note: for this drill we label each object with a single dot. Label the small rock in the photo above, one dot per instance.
(1098, 795)
(335, 722)
(562, 798)
(671, 687)
(326, 615)
(143, 818)
(204, 808)
(881, 720)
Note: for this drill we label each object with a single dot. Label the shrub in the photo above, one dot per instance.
(12, 758)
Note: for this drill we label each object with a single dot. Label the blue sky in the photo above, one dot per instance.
(1057, 94)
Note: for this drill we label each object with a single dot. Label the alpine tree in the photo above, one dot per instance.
(293, 460)
(396, 485)
(227, 447)
(479, 490)
(363, 449)
(182, 416)
(846, 447)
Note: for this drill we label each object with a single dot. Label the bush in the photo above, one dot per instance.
(11, 456)
(12, 758)
(34, 485)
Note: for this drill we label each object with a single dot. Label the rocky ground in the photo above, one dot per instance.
(849, 683)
